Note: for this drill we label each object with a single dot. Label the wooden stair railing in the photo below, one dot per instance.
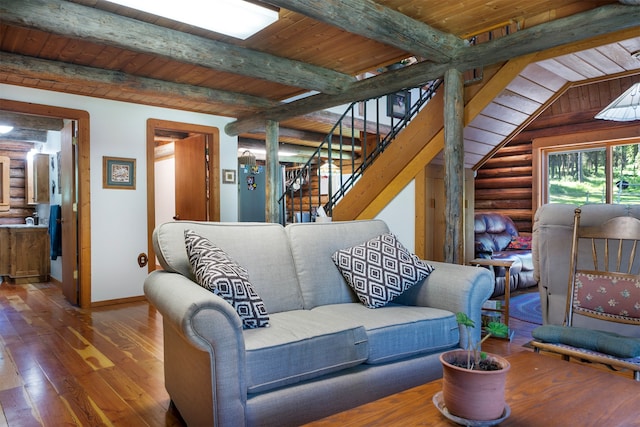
(347, 151)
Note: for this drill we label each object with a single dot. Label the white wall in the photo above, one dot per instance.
(399, 215)
(119, 217)
(52, 147)
(165, 177)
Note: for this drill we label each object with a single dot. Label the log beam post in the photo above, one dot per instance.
(454, 165)
(272, 169)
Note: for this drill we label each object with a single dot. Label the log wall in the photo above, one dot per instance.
(503, 183)
(17, 154)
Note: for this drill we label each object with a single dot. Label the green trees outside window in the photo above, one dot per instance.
(602, 174)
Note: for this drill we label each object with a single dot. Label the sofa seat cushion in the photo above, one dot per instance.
(398, 331)
(301, 345)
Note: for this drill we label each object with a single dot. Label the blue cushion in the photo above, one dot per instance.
(300, 345)
(398, 331)
(590, 339)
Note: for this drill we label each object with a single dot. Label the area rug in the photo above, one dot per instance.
(526, 307)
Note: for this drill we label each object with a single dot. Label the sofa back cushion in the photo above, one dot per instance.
(313, 244)
(261, 248)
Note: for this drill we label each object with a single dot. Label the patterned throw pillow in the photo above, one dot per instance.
(217, 272)
(380, 269)
(520, 243)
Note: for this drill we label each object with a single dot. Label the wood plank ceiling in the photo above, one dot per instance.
(94, 48)
(536, 87)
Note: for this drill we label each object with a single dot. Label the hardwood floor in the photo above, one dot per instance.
(62, 365)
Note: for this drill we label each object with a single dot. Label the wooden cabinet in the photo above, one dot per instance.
(5, 252)
(5, 183)
(41, 178)
(24, 254)
(37, 179)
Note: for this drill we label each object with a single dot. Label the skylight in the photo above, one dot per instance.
(235, 18)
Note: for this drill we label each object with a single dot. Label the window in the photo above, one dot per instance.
(626, 174)
(607, 172)
(577, 177)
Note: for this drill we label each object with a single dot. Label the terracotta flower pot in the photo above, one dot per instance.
(473, 394)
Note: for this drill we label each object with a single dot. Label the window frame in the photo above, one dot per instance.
(607, 138)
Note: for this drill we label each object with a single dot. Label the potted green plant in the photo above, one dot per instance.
(473, 382)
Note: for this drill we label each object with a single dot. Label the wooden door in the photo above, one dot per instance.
(191, 179)
(69, 219)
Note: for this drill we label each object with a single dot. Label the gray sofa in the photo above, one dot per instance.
(551, 250)
(324, 351)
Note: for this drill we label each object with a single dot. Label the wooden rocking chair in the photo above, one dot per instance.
(608, 290)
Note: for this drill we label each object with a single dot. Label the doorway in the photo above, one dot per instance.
(182, 175)
(76, 268)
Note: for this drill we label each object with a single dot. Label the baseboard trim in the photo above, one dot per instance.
(116, 301)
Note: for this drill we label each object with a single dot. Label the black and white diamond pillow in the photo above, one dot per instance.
(217, 272)
(380, 269)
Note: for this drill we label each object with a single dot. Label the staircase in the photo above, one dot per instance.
(364, 131)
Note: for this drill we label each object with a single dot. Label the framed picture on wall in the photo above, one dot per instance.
(228, 176)
(118, 172)
(398, 104)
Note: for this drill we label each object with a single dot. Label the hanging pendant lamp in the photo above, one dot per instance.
(625, 108)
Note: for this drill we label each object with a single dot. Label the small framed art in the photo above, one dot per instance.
(118, 172)
(228, 176)
(398, 104)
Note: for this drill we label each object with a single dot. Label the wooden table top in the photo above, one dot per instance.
(542, 390)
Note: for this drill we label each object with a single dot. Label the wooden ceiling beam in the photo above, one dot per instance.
(303, 135)
(27, 121)
(297, 153)
(571, 29)
(376, 22)
(586, 25)
(87, 23)
(350, 126)
(25, 135)
(61, 72)
(13, 146)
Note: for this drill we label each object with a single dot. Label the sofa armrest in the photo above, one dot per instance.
(455, 288)
(183, 303)
(209, 324)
